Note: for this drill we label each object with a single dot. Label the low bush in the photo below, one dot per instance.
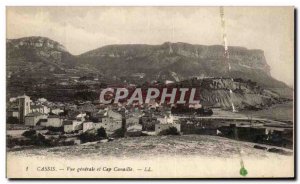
(101, 133)
(12, 120)
(29, 133)
(88, 137)
(119, 133)
(170, 131)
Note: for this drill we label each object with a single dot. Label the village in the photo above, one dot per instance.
(72, 120)
(44, 123)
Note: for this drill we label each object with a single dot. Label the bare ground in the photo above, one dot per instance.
(151, 146)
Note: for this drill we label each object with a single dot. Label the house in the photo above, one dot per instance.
(13, 99)
(88, 126)
(68, 126)
(133, 127)
(114, 115)
(134, 130)
(166, 123)
(54, 121)
(72, 125)
(13, 112)
(57, 111)
(33, 118)
(42, 100)
(81, 117)
(42, 122)
(132, 121)
(109, 124)
(39, 108)
(148, 122)
(24, 107)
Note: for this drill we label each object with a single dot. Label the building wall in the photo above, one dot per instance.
(41, 110)
(57, 111)
(77, 125)
(54, 122)
(68, 128)
(132, 121)
(46, 110)
(161, 127)
(114, 115)
(32, 120)
(134, 128)
(88, 126)
(44, 124)
(109, 126)
(106, 120)
(13, 114)
(24, 107)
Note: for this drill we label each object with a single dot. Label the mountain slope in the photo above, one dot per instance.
(37, 61)
(161, 62)
(36, 55)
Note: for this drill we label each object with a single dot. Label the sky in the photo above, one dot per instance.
(81, 29)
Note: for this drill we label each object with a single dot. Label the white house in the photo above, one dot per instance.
(72, 125)
(109, 124)
(88, 126)
(54, 121)
(32, 119)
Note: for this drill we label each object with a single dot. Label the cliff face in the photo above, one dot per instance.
(179, 61)
(158, 56)
(241, 55)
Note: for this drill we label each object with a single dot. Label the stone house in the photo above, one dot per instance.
(54, 121)
(68, 126)
(32, 119)
(109, 124)
(88, 126)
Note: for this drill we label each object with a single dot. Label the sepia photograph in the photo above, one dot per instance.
(166, 92)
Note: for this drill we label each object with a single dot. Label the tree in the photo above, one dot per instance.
(101, 133)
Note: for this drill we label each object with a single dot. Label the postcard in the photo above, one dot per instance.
(150, 92)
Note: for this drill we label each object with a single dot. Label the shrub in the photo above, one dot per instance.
(56, 129)
(40, 140)
(170, 131)
(12, 120)
(29, 133)
(101, 133)
(88, 137)
(119, 133)
(10, 143)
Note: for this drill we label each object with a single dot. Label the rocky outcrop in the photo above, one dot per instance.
(226, 92)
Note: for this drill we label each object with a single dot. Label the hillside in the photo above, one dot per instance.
(36, 55)
(173, 61)
(35, 63)
(152, 146)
